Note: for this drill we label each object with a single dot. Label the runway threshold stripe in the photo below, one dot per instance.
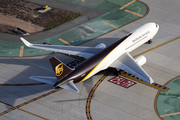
(21, 110)
(127, 4)
(134, 13)
(109, 24)
(25, 103)
(65, 42)
(157, 47)
(88, 114)
(21, 51)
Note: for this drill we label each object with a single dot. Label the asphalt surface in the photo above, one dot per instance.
(109, 101)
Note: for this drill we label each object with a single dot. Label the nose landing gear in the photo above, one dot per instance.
(150, 41)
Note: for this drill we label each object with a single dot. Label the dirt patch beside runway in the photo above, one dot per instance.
(8, 23)
(15, 12)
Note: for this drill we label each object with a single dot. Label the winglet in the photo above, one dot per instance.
(26, 42)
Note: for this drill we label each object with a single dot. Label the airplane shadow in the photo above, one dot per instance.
(18, 70)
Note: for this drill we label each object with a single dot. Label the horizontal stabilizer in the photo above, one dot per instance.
(52, 80)
(49, 80)
(70, 86)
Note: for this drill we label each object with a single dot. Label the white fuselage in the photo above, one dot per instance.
(138, 37)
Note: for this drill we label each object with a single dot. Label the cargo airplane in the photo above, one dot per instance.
(99, 58)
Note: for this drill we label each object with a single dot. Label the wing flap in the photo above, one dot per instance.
(128, 64)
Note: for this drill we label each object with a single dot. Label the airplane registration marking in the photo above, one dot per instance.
(65, 42)
(21, 51)
(109, 24)
(127, 4)
(134, 13)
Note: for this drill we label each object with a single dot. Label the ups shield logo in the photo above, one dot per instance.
(59, 69)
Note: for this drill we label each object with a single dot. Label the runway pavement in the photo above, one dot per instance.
(109, 101)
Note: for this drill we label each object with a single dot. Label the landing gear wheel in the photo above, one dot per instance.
(118, 72)
(150, 41)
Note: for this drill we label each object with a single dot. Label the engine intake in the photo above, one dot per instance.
(141, 60)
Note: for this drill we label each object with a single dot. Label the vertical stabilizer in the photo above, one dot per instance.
(60, 69)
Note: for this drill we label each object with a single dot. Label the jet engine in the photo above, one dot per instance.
(101, 45)
(141, 60)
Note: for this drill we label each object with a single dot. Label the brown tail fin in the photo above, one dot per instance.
(60, 69)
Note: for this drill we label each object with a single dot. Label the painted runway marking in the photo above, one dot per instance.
(19, 109)
(30, 101)
(109, 24)
(134, 13)
(127, 4)
(21, 51)
(170, 114)
(65, 42)
(122, 82)
(88, 114)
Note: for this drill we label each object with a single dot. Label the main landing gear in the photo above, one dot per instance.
(118, 72)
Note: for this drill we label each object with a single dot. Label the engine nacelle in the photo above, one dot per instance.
(141, 60)
(101, 45)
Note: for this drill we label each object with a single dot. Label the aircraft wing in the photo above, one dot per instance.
(127, 63)
(80, 51)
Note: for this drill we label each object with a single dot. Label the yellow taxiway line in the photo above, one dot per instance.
(65, 42)
(170, 114)
(21, 110)
(109, 24)
(21, 51)
(30, 101)
(127, 4)
(134, 13)
(157, 46)
(88, 114)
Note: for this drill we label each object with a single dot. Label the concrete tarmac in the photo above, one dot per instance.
(109, 102)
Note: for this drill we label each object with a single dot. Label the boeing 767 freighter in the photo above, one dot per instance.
(99, 58)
